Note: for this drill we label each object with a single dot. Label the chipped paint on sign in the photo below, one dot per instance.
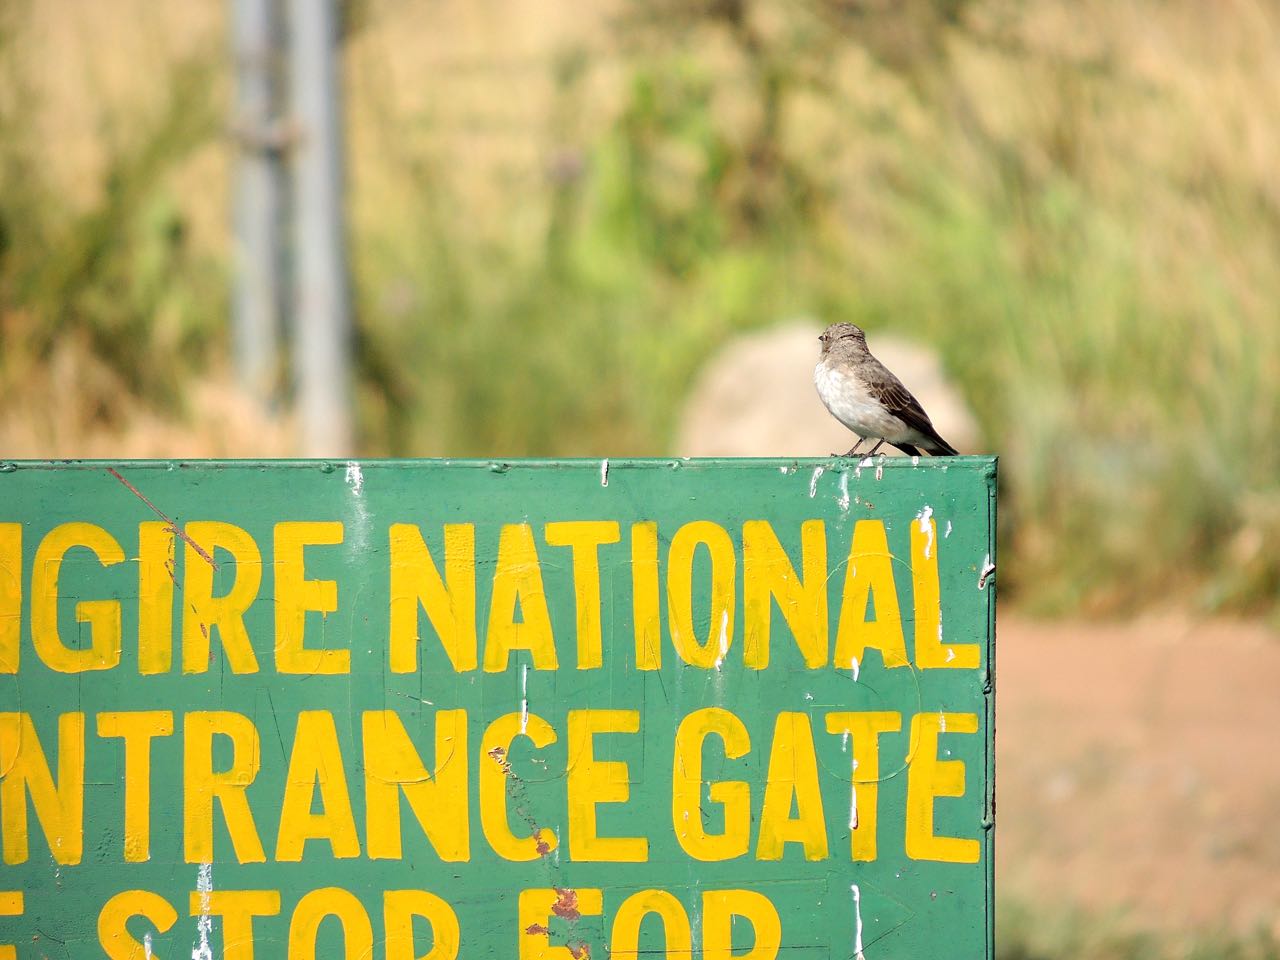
(925, 519)
(524, 698)
(204, 926)
(354, 477)
(724, 639)
(988, 568)
(853, 797)
(813, 482)
(857, 923)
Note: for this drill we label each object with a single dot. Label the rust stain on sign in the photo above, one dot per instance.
(173, 526)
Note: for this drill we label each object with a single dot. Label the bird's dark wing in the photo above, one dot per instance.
(898, 400)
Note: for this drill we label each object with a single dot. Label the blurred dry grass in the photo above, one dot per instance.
(559, 211)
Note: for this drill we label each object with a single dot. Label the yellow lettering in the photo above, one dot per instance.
(202, 786)
(315, 907)
(451, 609)
(316, 761)
(686, 787)
(518, 580)
(591, 782)
(768, 574)
(868, 574)
(399, 907)
(237, 908)
(295, 595)
(10, 597)
(624, 942)
(439, 801)
(60, 808)
(11, 905)
(103, 616)
(644, 595)
(719, 910)
(793, 774)
(156, 573)
(929, 778)
(137, 729)
(495, 784)
(930, 651)
(586, 537)
(864, 730)
(202, 611)
(113, 936)
(680, 593)
(535, 909)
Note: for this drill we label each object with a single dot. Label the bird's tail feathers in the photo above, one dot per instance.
(937, 447)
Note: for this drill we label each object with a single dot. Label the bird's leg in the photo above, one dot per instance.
(872, 451)
(854, 449)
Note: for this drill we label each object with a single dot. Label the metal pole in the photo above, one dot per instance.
(321, 323)
(259, 191)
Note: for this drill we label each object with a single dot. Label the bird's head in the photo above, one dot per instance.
(848, 336)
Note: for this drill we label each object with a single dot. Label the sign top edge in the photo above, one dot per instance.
(980, 463)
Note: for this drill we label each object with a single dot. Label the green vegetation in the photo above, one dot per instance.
(1078, 210)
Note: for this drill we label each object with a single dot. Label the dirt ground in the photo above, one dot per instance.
(1138, 770)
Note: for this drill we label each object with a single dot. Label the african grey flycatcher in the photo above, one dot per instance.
(870, 400)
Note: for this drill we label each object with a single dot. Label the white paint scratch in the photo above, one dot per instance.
(915, 461)
(146, 944)
(813, 482)
(988, 568)
(925, 517)
(951, 654)
(604, 472)
(948, 533)
(844, 491)
(853, 797)
(855, 667)
(942, 722)
(857, 923)
(844, 742)
(879, 471)
(524, 698)
(360, 522)
(355, 477)
(204, 926)
(724, 638)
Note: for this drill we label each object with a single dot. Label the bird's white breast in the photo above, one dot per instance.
(850, 403)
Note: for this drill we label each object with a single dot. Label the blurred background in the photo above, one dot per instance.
(603, 229)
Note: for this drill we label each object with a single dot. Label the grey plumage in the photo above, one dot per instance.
(866, 397)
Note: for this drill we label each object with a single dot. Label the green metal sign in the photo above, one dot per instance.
(407, 710)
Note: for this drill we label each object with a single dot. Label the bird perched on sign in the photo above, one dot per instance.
(863, 395)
